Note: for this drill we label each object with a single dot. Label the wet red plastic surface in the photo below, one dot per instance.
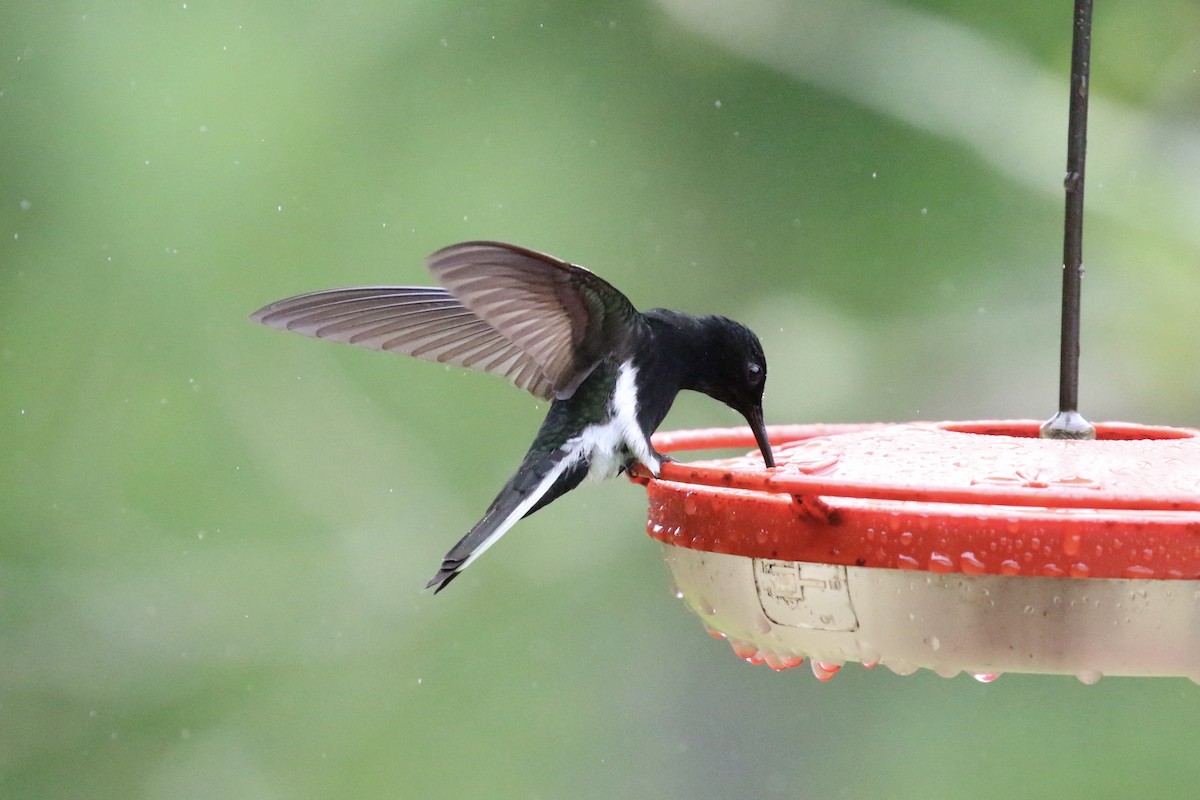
(967, 497)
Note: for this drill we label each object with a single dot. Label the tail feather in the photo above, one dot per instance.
(445, 574)
(524, 493)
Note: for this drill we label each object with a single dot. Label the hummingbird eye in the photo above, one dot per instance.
(754, 373)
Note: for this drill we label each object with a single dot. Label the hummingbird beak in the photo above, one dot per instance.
(755, 418)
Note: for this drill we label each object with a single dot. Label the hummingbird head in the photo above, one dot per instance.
(735, 372)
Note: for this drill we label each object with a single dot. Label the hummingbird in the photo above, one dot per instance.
(561, 333)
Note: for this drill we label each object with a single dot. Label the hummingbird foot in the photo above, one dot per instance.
(662, 459)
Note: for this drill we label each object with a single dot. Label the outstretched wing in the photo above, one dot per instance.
(561, 315)
(528, 318)
(423, 322)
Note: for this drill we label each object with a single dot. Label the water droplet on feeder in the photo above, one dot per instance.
(940, 563)
(743, 649)
(946, 670)
(779, 662)
(823, 670)
(869, 659)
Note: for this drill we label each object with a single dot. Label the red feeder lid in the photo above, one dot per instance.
(975, 500)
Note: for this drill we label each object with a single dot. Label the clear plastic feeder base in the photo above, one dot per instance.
(783, 612)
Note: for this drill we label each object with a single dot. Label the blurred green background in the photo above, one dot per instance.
(214, 536)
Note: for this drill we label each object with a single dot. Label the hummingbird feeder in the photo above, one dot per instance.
(978, 547)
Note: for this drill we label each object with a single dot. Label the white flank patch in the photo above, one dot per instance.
(605, 443)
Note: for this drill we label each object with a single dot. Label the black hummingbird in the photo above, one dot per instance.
(561, 333)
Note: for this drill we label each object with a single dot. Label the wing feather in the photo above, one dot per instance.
(423, 322)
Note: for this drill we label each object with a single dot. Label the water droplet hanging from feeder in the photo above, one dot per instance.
(978, 547)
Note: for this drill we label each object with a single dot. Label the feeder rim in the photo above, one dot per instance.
(802, 485)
